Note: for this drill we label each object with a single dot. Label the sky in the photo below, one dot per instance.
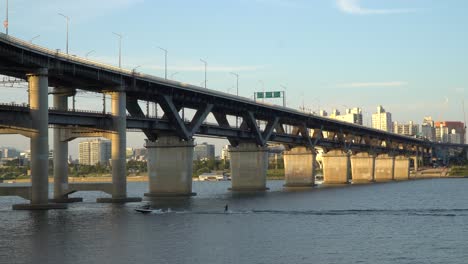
(407, 55)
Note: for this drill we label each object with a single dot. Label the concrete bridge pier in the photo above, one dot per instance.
(170, 165)
(402, 168)
(249, 164)
(60, 97)
(336, 167)
(416, 160)
(299, 167)
(118, 151)
(363, 167)
(39, 107)
(384, 168)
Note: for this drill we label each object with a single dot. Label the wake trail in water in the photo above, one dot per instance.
(363, 212)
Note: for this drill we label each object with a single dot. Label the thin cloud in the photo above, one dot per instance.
(354, 7)
(374, 84)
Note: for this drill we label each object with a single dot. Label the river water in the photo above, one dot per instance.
(424, 221)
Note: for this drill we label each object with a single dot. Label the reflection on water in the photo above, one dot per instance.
(404, 222)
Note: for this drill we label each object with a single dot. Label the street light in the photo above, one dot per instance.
(89, 52)
(5, 23)
(134, 69)
(68, 20)
(284, 95)
(237, 82)
(174, 74)
(165, 62)
(263, 89)
(237, 93)
(206, 64)
(35, 37)
(120, 48)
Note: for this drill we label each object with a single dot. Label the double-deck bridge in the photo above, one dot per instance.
(365, 153)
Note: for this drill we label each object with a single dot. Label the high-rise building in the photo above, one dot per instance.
(409, 129)
(204, 151)
(382, 120)
(225, 155)
(95, 151)
(446, 130)
(352, 115)
(10, 153)
(140, 154)
(428, 129)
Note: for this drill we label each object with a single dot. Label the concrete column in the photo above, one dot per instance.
(402, 168)
(39, 109)
(170, 167)
(384, 168)
(416, 162)
(118, 150)
(363, 167)
(249, 164)
(336, 167)
(299, 167)
(60, 96)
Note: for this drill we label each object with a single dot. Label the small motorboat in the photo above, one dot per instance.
(143, 210)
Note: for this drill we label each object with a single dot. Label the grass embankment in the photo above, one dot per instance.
(100, 178)
(271, 175)
(275, 174)
(458, 171)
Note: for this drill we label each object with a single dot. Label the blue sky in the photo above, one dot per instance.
(408, 55)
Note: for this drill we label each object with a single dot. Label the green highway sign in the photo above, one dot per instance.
(261, 95)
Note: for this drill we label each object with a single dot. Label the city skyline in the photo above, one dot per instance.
(408, 54)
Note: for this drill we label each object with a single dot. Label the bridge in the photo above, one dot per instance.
(365, 153)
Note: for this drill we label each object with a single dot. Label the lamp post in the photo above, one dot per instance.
(237, 93)
(68, 20)
(5, 23)
(174, 74)
(284, 95)
(35, 37)
(89, 52)
(165, 62)
(206, 64)
(120, 48)
(134, 69)
(237, 82)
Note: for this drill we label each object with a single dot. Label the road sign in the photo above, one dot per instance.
(261, 95)
(5, 23)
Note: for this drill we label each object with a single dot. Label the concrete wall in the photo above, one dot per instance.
(249, 164)
(336, 167)
(402, 166)
(170, 165)
(299, 167)
(384, 168)
(363, 167)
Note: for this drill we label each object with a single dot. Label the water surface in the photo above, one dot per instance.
(424, 221)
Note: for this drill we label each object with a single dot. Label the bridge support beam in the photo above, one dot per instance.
(363, 167)
(249, 164)
(60, 97)
(402, 168)
(336, 167)
(39, 105)
(170, 165)
(299, 167)
(118, 151)
(384, 168)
